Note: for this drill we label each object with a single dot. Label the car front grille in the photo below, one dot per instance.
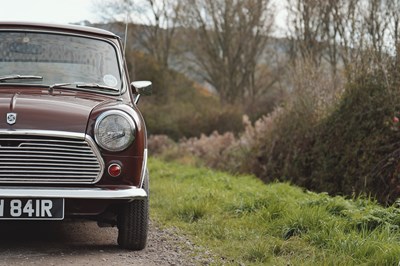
(55, 158)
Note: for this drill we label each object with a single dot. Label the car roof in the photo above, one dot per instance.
(70, 28)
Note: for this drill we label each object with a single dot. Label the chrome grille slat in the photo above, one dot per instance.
(45, 141)
(33, 151)
(30, 165)
(48, 170)
(38, 143)
(42, 156)
(46, 145)
(8, 159)
(56, 158)
(48, 164)
(65, 151)
(71, 180)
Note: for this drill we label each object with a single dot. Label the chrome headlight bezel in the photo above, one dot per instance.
(130, 136)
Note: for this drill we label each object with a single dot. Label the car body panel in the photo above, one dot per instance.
(52, 112)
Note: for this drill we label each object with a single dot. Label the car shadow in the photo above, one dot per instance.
(54, 237)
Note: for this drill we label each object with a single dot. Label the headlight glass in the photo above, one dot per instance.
(114, 130)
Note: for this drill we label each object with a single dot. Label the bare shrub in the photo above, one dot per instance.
(269, 146)
(167, 149)
(280, 142)
(159, 144)
(213, 150)
(221, 151)
(314, 89)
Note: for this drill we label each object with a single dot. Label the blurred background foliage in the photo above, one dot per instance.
(314, 103)
(178, 108)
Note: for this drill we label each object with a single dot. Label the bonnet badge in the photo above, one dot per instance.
(11, 118)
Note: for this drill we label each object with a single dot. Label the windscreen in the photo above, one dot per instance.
(59, 59)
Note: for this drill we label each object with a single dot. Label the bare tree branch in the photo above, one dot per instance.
(227, 38)
(158, 19)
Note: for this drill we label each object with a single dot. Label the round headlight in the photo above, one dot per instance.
(114, 130)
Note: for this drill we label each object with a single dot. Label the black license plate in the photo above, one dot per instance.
(31, 209)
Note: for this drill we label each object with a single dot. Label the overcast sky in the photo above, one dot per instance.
(74, 11)
(55, 11)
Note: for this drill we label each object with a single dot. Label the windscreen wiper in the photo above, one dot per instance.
(16, 77)
(82, 86)
(95, 86)
(59, 85)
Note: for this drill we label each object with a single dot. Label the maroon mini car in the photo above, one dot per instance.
(72, 140)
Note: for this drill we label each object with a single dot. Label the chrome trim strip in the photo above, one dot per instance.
(144, 167)
(96, 151)
(129, 193)
(47, 133)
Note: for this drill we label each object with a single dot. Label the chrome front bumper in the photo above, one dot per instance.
(129, 193)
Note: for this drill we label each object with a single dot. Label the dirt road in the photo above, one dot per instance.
(84, 243)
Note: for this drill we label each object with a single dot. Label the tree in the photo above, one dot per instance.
(157, 23)
(226, 40)
(355, 34)
(305, 29)
(394, 27)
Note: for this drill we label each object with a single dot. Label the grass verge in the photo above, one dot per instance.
(243, 221)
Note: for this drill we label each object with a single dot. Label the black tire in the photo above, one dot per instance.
(133, 222)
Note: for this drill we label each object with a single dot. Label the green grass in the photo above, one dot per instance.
(242, 220)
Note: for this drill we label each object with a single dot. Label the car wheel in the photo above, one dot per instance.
(133, 222)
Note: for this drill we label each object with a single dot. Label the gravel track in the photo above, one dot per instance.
(84, 243)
